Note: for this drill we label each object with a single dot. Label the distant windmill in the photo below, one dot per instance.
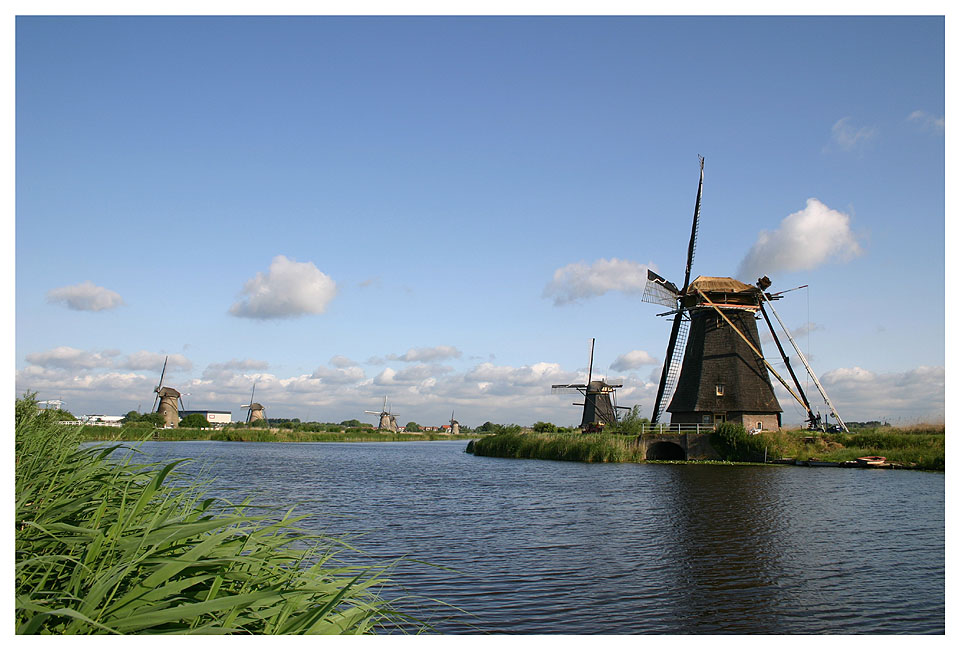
(255, 411)
(599, 400)
(388, 420)
(454, 425)
(167, 398)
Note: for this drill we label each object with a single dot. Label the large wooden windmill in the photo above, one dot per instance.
(714, 367)
(167, 398)
(599, 400)
(255, 410)
(388, 420)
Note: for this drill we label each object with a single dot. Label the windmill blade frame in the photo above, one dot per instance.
(668, 360)
(660, 291)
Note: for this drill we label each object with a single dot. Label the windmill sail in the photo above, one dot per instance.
(660, 291)
(668, 360)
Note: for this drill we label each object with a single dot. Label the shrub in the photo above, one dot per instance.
(733, 443)
(194, 421)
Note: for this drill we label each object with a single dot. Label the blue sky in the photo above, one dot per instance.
(445, 210)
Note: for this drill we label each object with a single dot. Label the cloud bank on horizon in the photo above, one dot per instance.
(424, 392)
(290, 289)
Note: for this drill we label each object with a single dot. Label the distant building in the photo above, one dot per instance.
(216, 418)
(100, 420)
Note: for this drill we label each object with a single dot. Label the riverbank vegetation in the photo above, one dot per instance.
(256, 434)
(587, 448)
(106, 545)
(918, 447)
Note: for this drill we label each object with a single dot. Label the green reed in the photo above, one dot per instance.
(589, 448)
(112, 546)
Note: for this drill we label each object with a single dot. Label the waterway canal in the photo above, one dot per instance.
(545, 547)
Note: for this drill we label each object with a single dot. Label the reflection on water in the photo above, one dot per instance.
(548, 547)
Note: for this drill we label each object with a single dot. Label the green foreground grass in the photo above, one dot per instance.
(113, 546)
(920, 447)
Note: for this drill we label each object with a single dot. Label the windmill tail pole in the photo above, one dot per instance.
(806, 365)
(786, 360)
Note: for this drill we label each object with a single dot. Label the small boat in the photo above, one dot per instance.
(872, 460)
(816, 462)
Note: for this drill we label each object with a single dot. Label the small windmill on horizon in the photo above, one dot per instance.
(255, 410)
(166, 401)
(388, 420)
(454, 425)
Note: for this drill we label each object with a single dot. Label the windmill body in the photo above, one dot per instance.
(255, 410)
(454, 425)
(388, 420)
(255, 413)
(166, 401)
(721, 378)
(167, 406)
(598, 407)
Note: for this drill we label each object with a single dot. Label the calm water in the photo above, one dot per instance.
(547, 547)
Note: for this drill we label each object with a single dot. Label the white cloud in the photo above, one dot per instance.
(632, 360)
(350, 375)
(144, 360)
(70, 358)
(85, 296)
(428, 354)
(578, 281)
(927, 121)
(340, 361)
(288, 290)
(417, 374)
(848, 137)
(804, 240)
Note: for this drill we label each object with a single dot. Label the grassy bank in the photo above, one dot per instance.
(919, 447)
(251, 434)
(587, 448)
(118, 547)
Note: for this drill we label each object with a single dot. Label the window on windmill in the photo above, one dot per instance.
(706, 418)
(759, 426)
(720, 321)
(719, 390)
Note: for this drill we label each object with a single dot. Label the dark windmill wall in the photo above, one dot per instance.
(597, 406)
(716, 356)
